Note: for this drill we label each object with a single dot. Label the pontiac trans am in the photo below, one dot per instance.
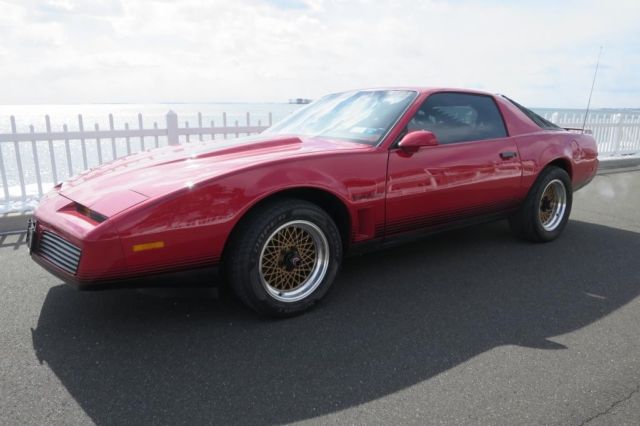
(276, 213)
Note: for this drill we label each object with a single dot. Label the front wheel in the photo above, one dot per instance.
(284, 257)
(545, 212)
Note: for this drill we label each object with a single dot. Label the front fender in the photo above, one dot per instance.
(194, 223)
(360, 189)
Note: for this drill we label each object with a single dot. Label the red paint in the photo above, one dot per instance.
(191, 197)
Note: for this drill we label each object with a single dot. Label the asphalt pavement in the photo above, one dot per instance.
(465, 327)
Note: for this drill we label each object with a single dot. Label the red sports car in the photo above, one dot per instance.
(277, 212)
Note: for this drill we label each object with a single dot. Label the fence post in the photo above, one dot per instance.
(172, 128)
(616, 121)
(16, 147)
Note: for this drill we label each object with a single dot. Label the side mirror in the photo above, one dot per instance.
(412, 141)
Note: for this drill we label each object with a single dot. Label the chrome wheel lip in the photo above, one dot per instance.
(318, 272)
(558, 207)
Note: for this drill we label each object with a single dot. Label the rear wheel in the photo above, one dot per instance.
(284, 258)
(545, 212)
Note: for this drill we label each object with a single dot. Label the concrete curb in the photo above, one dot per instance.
(617, 165)
(17, 222)
(13, 222)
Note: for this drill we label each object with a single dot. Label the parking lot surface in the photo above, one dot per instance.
(465, 327)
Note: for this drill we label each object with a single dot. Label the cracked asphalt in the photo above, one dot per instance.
(465, 327)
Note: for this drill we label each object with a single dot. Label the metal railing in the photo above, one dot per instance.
(32, 162)
(617, 134)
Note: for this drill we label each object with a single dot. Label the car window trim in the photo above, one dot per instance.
(400, 117)
(504, 122)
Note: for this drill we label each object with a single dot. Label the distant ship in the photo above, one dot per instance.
(300, 101)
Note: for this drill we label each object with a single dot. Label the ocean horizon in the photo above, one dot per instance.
(98, 113)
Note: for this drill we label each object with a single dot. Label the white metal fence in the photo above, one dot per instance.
(617, 134)
(31, 162)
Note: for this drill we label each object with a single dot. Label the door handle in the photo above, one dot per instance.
(508, 154)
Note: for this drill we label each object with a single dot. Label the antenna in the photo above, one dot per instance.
(593, 83)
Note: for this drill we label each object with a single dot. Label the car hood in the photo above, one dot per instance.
(116, 186)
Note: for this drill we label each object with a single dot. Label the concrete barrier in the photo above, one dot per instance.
(619, 164)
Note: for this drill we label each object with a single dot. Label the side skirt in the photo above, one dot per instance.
(418, 234)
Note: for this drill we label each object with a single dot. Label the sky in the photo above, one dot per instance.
(541, 53)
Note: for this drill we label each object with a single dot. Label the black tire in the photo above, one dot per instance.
(526, 222)
(243, 258)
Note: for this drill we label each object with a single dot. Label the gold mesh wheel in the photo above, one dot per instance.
(553, 204)
(294, 260)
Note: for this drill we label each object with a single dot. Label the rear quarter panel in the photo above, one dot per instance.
(585, 159)
(577, 151)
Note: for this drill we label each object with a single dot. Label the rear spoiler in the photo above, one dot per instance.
(576, 130)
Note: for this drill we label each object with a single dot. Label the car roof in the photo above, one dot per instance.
(426, 89)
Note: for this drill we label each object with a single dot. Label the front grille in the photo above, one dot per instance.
(60, 252)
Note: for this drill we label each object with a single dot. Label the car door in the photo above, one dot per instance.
(474, 170)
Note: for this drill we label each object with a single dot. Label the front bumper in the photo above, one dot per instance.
(113, 278)
(90, 255)
(71, 246)
(59, 266)
(208, 276)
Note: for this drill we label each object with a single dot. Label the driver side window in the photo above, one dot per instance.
(459, 117)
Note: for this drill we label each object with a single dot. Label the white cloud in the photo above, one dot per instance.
(539, 52)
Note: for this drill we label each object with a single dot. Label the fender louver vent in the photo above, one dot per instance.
(59, 252)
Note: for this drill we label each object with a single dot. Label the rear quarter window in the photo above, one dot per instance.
(540, 121)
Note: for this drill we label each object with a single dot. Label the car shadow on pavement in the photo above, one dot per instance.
(393, 319)
(13, 239)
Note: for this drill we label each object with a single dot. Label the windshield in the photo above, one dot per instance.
(362, 116)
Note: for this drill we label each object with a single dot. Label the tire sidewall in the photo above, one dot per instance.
(261, 298)
(550, 175)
